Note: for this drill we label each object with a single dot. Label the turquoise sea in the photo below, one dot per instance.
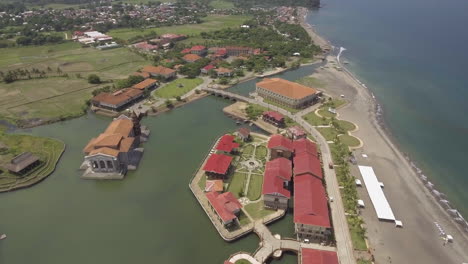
(413, 56)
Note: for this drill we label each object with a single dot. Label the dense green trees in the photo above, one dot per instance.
(94, 79)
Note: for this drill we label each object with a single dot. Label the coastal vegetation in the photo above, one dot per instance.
(212, 22)
(178, 87)
(48, 150)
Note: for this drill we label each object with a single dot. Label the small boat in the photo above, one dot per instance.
(238, 123)
(3, 236)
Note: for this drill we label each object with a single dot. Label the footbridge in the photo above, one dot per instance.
(228, 95)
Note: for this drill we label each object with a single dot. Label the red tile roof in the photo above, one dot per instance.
(185, 51)
(214, 186)
(198, 48)
(286, 88)
(218, 163)
(117, 97)
(159, 70)
(191, 57)
(310, 202)
(304, 145)
(297, 131)
(244, 131)
(280, 141)
(208, 67)
(306, 163)
(225, 205)
(142, 85)
(276, 173)
(275, 115)
(227, 144)
(313, 256)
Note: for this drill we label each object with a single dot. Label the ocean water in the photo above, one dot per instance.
(413, 55)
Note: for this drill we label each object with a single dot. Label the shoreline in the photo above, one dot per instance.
(417, 182)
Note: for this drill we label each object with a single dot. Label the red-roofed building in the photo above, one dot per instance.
(280, 146)
(306, 163)
(207, 68)
(314, 256)
(199, 50)
(236, 51)
(225, 206)
(191, 57)
(311, 215)
(227, 145)
(244, 134)
(273, 118)
(145, 46)
(296, 132)
(305, 145)
(185, 51)
(214, 186)
(217, 165)
(276, 179)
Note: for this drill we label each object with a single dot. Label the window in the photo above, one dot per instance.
(102, 165)
(110, 165)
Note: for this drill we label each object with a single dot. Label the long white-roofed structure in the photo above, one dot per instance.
(381, 205)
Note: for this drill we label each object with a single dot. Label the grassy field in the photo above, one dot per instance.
(213, 22)
(178, 87)
(242, 261)
(237, 183)
(349, 141)
(48, 150)
(363, 261)
(202, 182)
(255, 187)
(59, 97)
(315, 120)
(358, 241)
(261, 152)
(257, 211)
(248, 150)
(329, 133)
(324, 112)
(221, 4)
(348, 126)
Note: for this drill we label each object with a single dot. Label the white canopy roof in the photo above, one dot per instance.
(382, 208)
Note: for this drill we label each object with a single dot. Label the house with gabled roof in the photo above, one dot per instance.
(280, 146)
(287, 93)
(276, 182)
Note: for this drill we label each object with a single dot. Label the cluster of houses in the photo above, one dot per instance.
(107, 12)
(165, 42)
(217, 167)
(295, 166)
(91, 37)
(116, 150)
(121, 99)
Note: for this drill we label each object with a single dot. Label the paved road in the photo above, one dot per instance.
(343, 238)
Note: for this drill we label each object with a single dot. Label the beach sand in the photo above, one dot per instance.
(418, 241)
(412, 203)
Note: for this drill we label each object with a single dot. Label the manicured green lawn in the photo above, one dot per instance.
(261, 152)
(362, 261)
(324, 112)
(255, 187)
(243, 219)
(289, 109)
(212, 22)
(177, 87)
(242, 261)
(202, 182)
(257, 211)
(247, 150)
(336, 102)
(48, 150)
(350, 141)
(237, 184)
(328, 132)
(221, 4)
(348, 126)
(315, 120)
